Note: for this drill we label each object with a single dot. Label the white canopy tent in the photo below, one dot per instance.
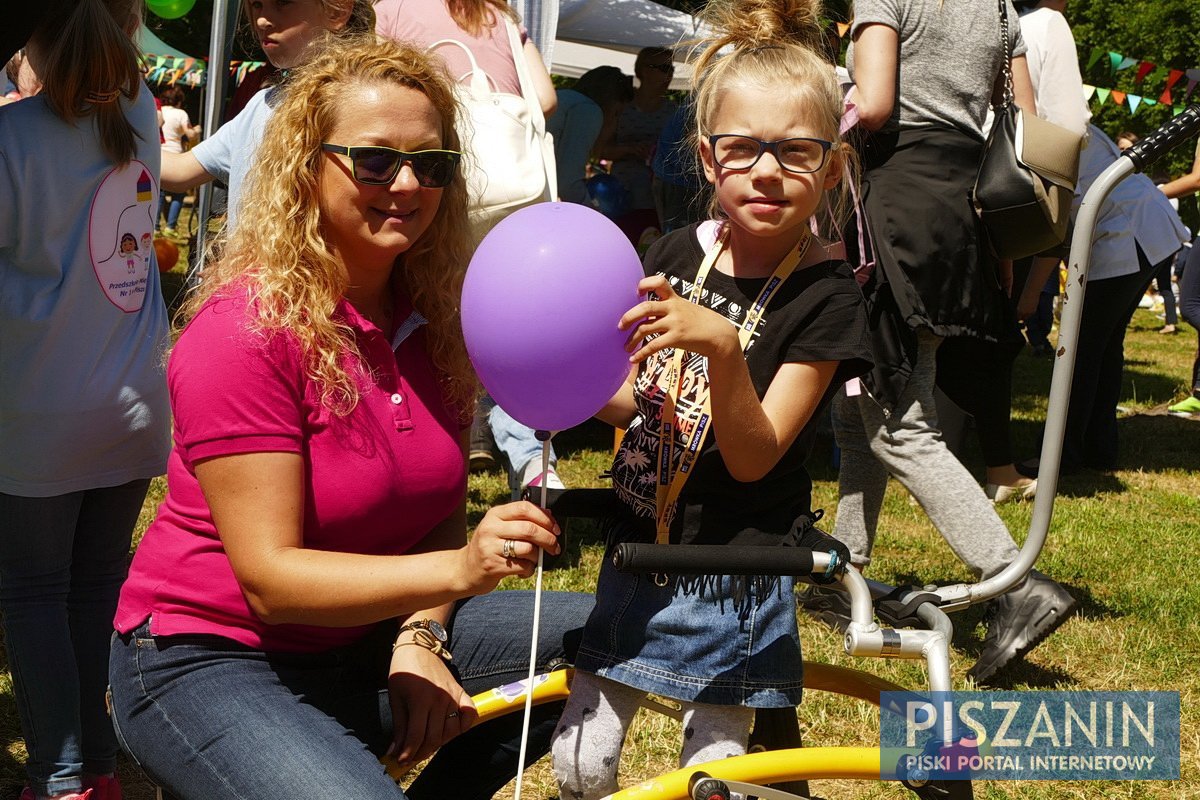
(593, 33)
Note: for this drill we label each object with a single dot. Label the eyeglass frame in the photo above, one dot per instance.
(666, 68)
(772, 148)
(406, 157)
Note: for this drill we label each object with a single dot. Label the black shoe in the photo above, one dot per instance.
(830, 606)
(481, 455)
(1020, 621)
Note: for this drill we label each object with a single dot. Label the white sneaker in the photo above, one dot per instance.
(532, 476)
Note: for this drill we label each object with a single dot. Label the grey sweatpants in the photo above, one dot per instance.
(908, 445)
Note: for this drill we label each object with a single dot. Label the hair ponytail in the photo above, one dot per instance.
(759, 24)
(89, 62)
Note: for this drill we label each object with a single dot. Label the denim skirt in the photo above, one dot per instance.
(717, 640)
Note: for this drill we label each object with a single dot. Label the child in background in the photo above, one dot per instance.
(285, 29)
(753, 323)
(84, 420)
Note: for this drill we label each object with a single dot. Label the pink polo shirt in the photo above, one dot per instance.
(376, 480)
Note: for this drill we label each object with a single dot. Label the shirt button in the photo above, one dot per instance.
(397, 399)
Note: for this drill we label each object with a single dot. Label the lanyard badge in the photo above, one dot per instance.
(694, 424)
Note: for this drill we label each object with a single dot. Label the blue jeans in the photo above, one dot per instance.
(171, 205)
(517, 442)
(62, 561)
(205, 717)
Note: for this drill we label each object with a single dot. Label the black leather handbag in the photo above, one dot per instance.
(1027, 175)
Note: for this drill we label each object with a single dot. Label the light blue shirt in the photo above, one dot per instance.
(229, 153)
(83, 329)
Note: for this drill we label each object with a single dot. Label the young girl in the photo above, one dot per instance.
(753, 324)
(84, 421)
(285, 29)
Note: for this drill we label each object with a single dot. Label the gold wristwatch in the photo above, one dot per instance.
(427, 633)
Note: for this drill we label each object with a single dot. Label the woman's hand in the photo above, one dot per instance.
(429, 708)
(678, 323)
(506, 542)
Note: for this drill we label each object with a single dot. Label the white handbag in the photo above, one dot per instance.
(508, 156)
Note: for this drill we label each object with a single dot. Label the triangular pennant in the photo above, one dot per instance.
(1173, 77)
(1103, 94)
(842, 29)
(1194, 73)
(1166, 97)
(1126, 63)
(1178, 111)
(1088, 91)
(1146, 101)
(1191, 86)
(1097, 54)
(188, 64)
(1114, 61)
(1134, 102)
(1143, 70)
(159, 61)
(1118, 97)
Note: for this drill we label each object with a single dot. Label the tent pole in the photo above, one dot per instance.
(223, 23)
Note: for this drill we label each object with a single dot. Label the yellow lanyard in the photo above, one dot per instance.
(694, 424)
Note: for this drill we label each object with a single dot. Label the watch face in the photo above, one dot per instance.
(435, 627)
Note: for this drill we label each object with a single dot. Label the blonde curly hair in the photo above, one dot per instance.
(280, 255)
(777, 44)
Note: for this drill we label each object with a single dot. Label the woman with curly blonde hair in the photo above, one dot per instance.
(306, 596)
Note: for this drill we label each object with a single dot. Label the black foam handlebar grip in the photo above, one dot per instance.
(708, 559)
(1182, 127)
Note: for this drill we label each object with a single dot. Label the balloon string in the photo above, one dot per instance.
(537, 616)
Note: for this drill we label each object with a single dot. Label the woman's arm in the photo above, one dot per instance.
(876, 61)
(542, 85)
(257, 502)
(1185, 184)
(1023, 94)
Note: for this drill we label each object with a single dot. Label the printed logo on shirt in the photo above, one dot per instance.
(121, 234)
(635, 468)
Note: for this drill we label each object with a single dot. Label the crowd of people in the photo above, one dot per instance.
(307, 599)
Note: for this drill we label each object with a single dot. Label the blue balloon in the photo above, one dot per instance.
(607, 195)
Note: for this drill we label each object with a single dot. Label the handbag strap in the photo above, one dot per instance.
(1006, 46)
(531, 100)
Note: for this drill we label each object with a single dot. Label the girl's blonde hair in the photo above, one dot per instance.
(776, 44)
(89, 62)
(476, 16)
(281, 256)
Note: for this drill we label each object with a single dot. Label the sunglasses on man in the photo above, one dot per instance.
(378, 166)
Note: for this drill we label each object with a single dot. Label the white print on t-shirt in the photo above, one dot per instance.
(121, 234)
(635, 468)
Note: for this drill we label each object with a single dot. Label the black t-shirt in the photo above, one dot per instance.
(816, 315)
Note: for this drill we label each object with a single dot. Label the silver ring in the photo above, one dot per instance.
(452, 715)
(507, 549)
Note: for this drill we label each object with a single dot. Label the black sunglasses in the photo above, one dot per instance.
(378, 166)
(667, 67)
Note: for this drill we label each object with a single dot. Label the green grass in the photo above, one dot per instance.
(1123, 542)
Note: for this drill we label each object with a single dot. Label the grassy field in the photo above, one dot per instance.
(1120, 541)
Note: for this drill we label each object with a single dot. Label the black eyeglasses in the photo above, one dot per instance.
(666, 67)
(377, 166)
(799, 155)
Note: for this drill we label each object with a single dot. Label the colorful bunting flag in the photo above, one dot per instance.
(1103, 94)
(1134, 102)
(1143, 70)
(1118, 97)
(1173, 77)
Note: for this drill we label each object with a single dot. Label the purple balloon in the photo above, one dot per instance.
(540, 306)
